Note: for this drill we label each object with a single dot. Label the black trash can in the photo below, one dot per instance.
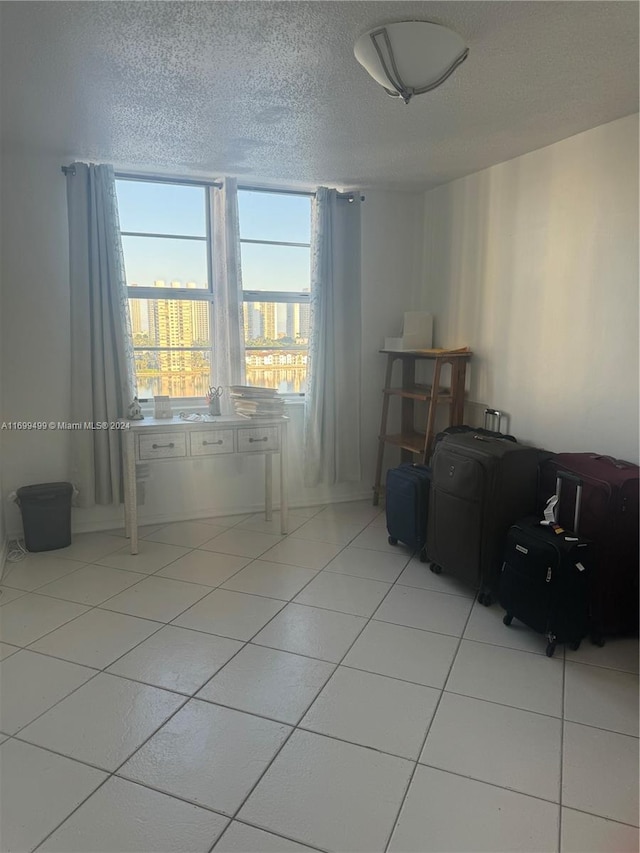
(46, 515)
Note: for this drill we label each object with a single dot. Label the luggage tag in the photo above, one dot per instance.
(550, 516)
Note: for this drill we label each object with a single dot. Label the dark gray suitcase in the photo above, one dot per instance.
(480, 486)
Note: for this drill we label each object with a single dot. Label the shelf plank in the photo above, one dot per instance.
(419, 392)
(413, 441)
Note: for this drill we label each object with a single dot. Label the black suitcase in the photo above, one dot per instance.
(480, 486)
(407, 504)
(546, 575)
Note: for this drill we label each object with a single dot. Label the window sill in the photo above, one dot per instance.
(195, 406)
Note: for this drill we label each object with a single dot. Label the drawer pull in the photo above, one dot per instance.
(253, 440)
(205, 443)
(158, 446)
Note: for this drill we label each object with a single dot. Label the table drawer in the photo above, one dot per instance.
(167, 445)
(210, 442)
(258, 439)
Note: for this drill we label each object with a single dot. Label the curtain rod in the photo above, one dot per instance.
(134, 176)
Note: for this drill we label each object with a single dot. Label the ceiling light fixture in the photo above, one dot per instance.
(410, 57)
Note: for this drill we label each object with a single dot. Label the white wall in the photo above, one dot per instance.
(35, 352)
(534, 264)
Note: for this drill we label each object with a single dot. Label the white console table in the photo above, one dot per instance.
(175, 439)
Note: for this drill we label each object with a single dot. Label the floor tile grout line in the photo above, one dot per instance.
(424, 740)
(329, 736)
(61, 577)
(561, 775)
(494, 785)
(502, 704)
(574, 662)
(602, 817)
(66, 818)
(270, 831)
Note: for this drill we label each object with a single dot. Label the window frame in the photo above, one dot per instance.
(207, 294)
(279, 297)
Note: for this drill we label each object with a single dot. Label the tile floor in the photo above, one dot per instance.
(230, 689)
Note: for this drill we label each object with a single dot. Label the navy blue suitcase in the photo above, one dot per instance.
(407, 505)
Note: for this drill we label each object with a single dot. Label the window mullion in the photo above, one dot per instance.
(274, 296)
(175, 293)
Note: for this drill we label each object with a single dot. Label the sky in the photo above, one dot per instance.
(181, 210)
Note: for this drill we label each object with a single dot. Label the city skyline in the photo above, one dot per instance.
(262, 319)
(276, 354)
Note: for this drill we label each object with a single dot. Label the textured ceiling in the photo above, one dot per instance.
(271, 91)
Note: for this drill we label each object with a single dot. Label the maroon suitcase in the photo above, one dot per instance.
(610, 520)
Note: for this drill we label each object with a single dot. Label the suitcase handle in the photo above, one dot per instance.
(493, 413)
(565, 475)
(617, 463)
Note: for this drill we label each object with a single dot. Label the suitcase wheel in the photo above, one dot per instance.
(507, 619)
(392, 540)
(436, 569)
(551, 647)
(423, 556)
(597, 639)
(485, 598)
(575, 645)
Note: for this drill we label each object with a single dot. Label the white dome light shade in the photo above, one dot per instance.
(410, 57)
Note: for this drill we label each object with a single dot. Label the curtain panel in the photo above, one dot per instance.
(228, 336)
(332, 403)
(102, 363)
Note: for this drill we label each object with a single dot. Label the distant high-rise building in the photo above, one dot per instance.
(135, 308)
(269, 320)
(252, 317)
(293, 320)
(200, 320)
(305, 318)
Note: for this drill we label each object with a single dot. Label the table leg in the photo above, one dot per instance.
(284, 505)
(131, 498)
(268, 486)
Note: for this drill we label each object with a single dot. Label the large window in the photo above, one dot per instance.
(167, 243)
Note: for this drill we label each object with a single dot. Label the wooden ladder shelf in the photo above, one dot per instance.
(410, 440)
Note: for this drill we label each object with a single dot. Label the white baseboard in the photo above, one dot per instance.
(167, 518)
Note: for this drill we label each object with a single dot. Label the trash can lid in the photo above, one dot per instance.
(39, 489)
